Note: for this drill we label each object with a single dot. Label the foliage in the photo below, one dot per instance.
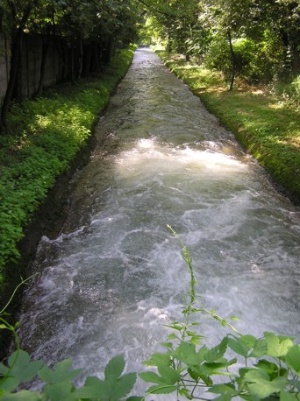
(88, 32)
(58, 381)
(45, 136)
(289, 91)
(256, 368)
(265, 35)
(252, 63)
(243, 366)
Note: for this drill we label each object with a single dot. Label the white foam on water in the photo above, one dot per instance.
(111, 283)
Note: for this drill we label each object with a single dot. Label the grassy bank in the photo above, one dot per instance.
(267, 126)
(44, 136)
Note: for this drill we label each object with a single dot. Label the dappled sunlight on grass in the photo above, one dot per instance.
(44, 135)
(293, 140)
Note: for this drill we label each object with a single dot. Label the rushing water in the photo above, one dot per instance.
(115, 275)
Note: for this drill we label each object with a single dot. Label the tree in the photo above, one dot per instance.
(17, 15)
(87, 27)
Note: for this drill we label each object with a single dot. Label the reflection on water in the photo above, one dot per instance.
(115, 276)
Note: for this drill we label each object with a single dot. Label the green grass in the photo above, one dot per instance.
(266, 126)
(43, 137)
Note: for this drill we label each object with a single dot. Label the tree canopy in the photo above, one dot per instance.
(257, 40)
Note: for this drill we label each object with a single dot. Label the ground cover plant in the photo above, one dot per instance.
(266, 122)
(239, 366)
(44, 135)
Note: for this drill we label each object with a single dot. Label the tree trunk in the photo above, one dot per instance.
(80, 59)
(295, 59)
(45, 50)
(97, 57)
(16, 48)
(87, 60)
(14, 71)
(109, 50)
(233, 63)
(72, 66)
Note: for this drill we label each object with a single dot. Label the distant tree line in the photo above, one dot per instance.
(257, 40)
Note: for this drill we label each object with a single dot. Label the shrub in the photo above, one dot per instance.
(251, 59)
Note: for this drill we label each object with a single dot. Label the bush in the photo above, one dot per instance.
(252, 62)
(288, 91)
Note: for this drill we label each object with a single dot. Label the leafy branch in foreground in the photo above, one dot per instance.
(256, 368)
(243, 366)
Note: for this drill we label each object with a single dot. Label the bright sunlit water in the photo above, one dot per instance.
(115, 276)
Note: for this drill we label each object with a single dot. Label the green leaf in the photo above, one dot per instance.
(259, 384)
(186, 352)
(151, 377)
(293, 358)
(172, 336)
(21, 367)
(169, 375)
(158, 359)
(260, 348)
(167, 345)
(278, 346)
(217, 368)
(61, 372)
(216, 353)
(162, 389)
(3, 369)
(197, 373)
(9, 383)
(122, 387)
(22, 395)
(272, 369)
(224, 389)
(60, 391)
(285, 396)
(93, 389)
(196, 339)
(112, 389)
(238, 346)
(248, 346)
(115, 367)
(176, 326)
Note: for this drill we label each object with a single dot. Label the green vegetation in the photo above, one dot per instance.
(253, 369)
(254, 40)
(85, 34)
(45, 135)
(235, 44)
(266, 124)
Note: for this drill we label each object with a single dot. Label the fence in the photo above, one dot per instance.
(56, 68)
(4, 66)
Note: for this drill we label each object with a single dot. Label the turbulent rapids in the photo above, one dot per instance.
(115, 275)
